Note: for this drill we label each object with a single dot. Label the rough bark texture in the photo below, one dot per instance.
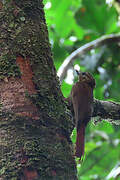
(35, 124)
(107, 110)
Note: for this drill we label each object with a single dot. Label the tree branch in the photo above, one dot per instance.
(107, 110)
(96, 43)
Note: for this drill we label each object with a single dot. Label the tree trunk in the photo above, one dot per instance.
(35, 124)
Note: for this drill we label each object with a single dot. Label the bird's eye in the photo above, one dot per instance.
(83, 73)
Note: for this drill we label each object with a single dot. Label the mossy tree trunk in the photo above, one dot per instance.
(35, 124)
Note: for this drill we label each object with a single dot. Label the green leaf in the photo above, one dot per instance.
(73, 136)
(103, 126)
(66, 89)
(93, 14)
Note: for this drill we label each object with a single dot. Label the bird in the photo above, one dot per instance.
(82, 100)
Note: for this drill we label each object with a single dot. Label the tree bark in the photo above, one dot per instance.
(35, 124)
(107, 110)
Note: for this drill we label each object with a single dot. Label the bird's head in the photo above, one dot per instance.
(87, 78)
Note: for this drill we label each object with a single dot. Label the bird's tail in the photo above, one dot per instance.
(80, 141)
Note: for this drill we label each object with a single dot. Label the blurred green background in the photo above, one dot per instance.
(71, 24)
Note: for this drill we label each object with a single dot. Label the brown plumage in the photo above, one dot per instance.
(82, 99)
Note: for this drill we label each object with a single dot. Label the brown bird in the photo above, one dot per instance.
(82, 99)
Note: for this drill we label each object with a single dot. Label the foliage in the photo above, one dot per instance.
(72, 24)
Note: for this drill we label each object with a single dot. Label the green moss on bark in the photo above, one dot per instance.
(45, 141)
(41, 145)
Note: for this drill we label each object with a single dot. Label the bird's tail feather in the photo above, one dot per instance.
(80, 141)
